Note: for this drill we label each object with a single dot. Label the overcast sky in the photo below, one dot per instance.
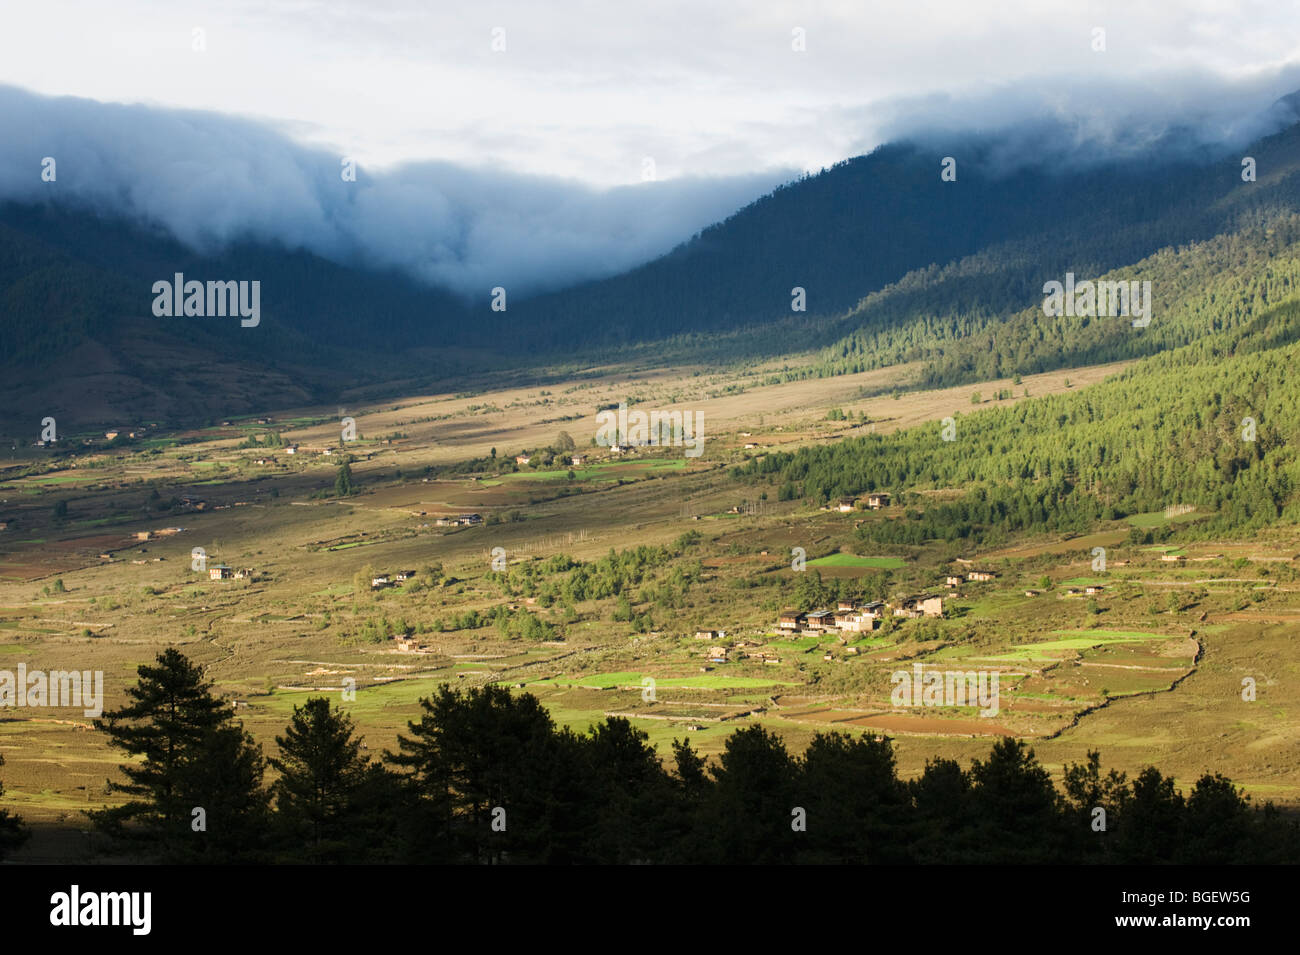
(588, 90)
(486, 165)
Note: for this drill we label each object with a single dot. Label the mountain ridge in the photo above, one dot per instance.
(880, 244)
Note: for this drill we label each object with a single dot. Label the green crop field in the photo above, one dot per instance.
(850, 560)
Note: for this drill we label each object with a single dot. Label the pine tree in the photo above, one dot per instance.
(223, 778)
(343, 486)
(473, 753)
(192, 758)
(321, 772)
(752, 801)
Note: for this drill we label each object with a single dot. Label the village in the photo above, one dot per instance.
(850, 616)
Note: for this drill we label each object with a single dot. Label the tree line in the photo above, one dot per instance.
(486, 776)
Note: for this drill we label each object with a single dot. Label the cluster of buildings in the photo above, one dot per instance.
(224, 572)
(160, 532)
(720, 653)
(88, 442)
(872, 501)
(854, 616)
(381, 581)
(325, 450)
(575, 460)
(1091, 589)
(460, 520)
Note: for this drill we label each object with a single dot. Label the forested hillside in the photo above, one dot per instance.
(1172, 429)
(1198, 290)
(955, 255)
(79, 341)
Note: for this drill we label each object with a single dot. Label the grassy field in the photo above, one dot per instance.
(850, 560)
(1082, 640)
(1147, 671)
(612, 471)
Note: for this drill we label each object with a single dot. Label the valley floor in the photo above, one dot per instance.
(99, 571)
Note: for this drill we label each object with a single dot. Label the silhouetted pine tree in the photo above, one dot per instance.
(318, 796)
(198, 780)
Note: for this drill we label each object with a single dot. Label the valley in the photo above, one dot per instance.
(646, 584)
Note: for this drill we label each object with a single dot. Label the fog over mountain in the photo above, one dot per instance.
(209, 179)
(1060, 122)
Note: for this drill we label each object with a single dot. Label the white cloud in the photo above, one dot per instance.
(523, 168)
(209, 179)
(585, 90)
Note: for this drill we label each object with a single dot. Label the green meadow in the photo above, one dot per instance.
(852, 560)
